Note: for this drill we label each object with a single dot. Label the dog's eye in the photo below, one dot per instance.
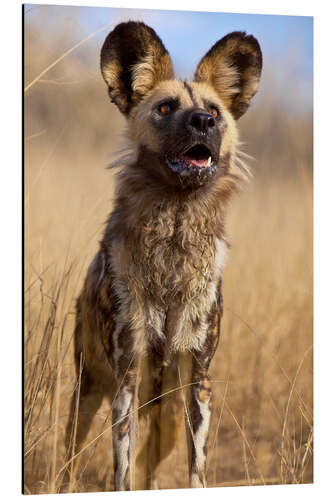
(164, 109)
(213, 111)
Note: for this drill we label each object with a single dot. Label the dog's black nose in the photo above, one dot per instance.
(201, 121)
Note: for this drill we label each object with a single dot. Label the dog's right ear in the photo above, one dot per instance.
(133, 61)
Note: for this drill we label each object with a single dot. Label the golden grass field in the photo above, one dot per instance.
(262, 424)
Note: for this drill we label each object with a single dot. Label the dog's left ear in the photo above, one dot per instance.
(233, 67)
(133, 61)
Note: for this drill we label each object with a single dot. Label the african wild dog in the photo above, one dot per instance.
(151, 304)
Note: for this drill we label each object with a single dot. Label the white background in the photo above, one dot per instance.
(11, 255)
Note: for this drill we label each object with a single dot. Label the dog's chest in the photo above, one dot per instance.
(167, 274)
(177, 255)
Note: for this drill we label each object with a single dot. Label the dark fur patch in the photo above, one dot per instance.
(190, 91)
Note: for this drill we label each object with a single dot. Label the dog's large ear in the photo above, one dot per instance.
(233, 67)
(133, 61)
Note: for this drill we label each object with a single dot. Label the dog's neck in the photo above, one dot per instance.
(169, 247)
(139, 202)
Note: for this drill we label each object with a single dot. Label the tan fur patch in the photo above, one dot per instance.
(221, 76)
(154, 67)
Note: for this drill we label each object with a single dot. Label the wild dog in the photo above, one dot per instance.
(151, 304)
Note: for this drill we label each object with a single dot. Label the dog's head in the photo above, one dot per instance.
(184, 133)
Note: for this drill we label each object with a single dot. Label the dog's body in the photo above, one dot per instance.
(151, 304)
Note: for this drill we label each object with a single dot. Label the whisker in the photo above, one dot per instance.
(245, 155)
(122, 161)
(244, 169)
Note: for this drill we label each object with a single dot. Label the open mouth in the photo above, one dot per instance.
(195, 161)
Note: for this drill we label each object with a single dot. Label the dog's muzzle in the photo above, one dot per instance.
(195, 167)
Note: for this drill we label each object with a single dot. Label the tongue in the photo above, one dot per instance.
(203, 162)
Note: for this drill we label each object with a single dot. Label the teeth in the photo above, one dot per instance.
(209, 161)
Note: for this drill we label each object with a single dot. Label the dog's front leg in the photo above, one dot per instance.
(200, 399)
(124, 422)
(198, 425)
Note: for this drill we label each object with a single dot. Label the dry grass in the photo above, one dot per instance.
(262, 430)
(262, 422)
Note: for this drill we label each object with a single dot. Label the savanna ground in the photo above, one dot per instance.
(262, 428)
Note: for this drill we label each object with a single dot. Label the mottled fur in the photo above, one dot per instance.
(151, 303)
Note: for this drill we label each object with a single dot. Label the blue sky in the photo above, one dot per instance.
(286, 41)
(188, 35)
